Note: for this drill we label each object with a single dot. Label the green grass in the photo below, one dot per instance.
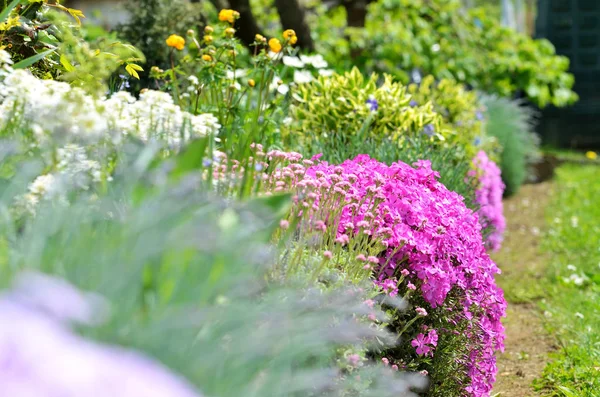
(573, 308)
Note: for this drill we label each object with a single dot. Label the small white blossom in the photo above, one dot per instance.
(293, 62)
(302, 76)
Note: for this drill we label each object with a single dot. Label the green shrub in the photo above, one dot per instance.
(511, 123)
(441, 122)
(438, 37)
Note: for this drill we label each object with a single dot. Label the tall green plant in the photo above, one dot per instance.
(512, 124)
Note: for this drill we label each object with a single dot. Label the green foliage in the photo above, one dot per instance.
(440, 38)
(511, 123)
(335, 109)
(571, 305)
(332, 116)
(46, 38)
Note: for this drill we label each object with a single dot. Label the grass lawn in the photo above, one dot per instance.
(572, 288)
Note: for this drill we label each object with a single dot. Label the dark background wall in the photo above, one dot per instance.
(573, 26)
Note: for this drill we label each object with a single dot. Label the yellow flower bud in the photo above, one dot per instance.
(208, 29)
(191, 32)
(293, 40)
(207, 58)
(275, 45)
(208, 39)
(591, 155)
(229, 32)
(260, 38)
(251, 83)
(176, 41)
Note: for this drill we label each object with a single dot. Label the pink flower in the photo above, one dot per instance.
(421, 312)
(411, 286)
(420, 344)
(361, 257)
(284, 224)
(354, 359)
(327, 255)
(385, 361)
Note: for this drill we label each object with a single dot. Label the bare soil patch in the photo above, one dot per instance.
(523, 264)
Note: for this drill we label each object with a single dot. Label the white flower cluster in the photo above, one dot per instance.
(155, 116)
(78, 124)
(57, 112)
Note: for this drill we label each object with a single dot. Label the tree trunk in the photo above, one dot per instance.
(293, 16)
(356, 16)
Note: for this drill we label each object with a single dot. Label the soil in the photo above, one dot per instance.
(527, 345)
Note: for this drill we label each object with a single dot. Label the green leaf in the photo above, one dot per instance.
(66, 64)
(25, 63)
(191, 158)
(6, 12)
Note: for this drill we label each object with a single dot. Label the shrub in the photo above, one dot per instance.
(511, 123)
(346, 115)
(405, 229)
(439, 38)
(489, 199)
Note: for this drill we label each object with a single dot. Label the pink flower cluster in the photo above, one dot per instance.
(433, 244)
(489, 198)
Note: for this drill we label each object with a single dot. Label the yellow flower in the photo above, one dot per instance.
(260, 38)
(229, 32)
(293, 40)
(251, 83)
(275, 45)
(591, 155)
(228, 15)
(208, 39)
(176, 41)
(289, 33)
(207, 57)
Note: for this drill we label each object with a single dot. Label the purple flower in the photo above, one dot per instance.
(40, 356)
(413, 103)
(429, 130)
(372, 104)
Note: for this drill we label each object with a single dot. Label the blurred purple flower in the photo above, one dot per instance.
(41, 357)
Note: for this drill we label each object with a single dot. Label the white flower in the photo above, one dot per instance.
(579, 315)
(293, 62)
(193, 80)
(317, 61)
(571, 268)
(302, 76)
(283, 89)
(238, 73)
(5, 58)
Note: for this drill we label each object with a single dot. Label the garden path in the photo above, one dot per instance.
(522, 264)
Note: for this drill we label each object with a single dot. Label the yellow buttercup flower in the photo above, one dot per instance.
(591, 155)
(227, 15)
(176, 41)
(208, 39)
(251, 82)
(207, 58)
(289, 33)
(293, 40)
(275, 45)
